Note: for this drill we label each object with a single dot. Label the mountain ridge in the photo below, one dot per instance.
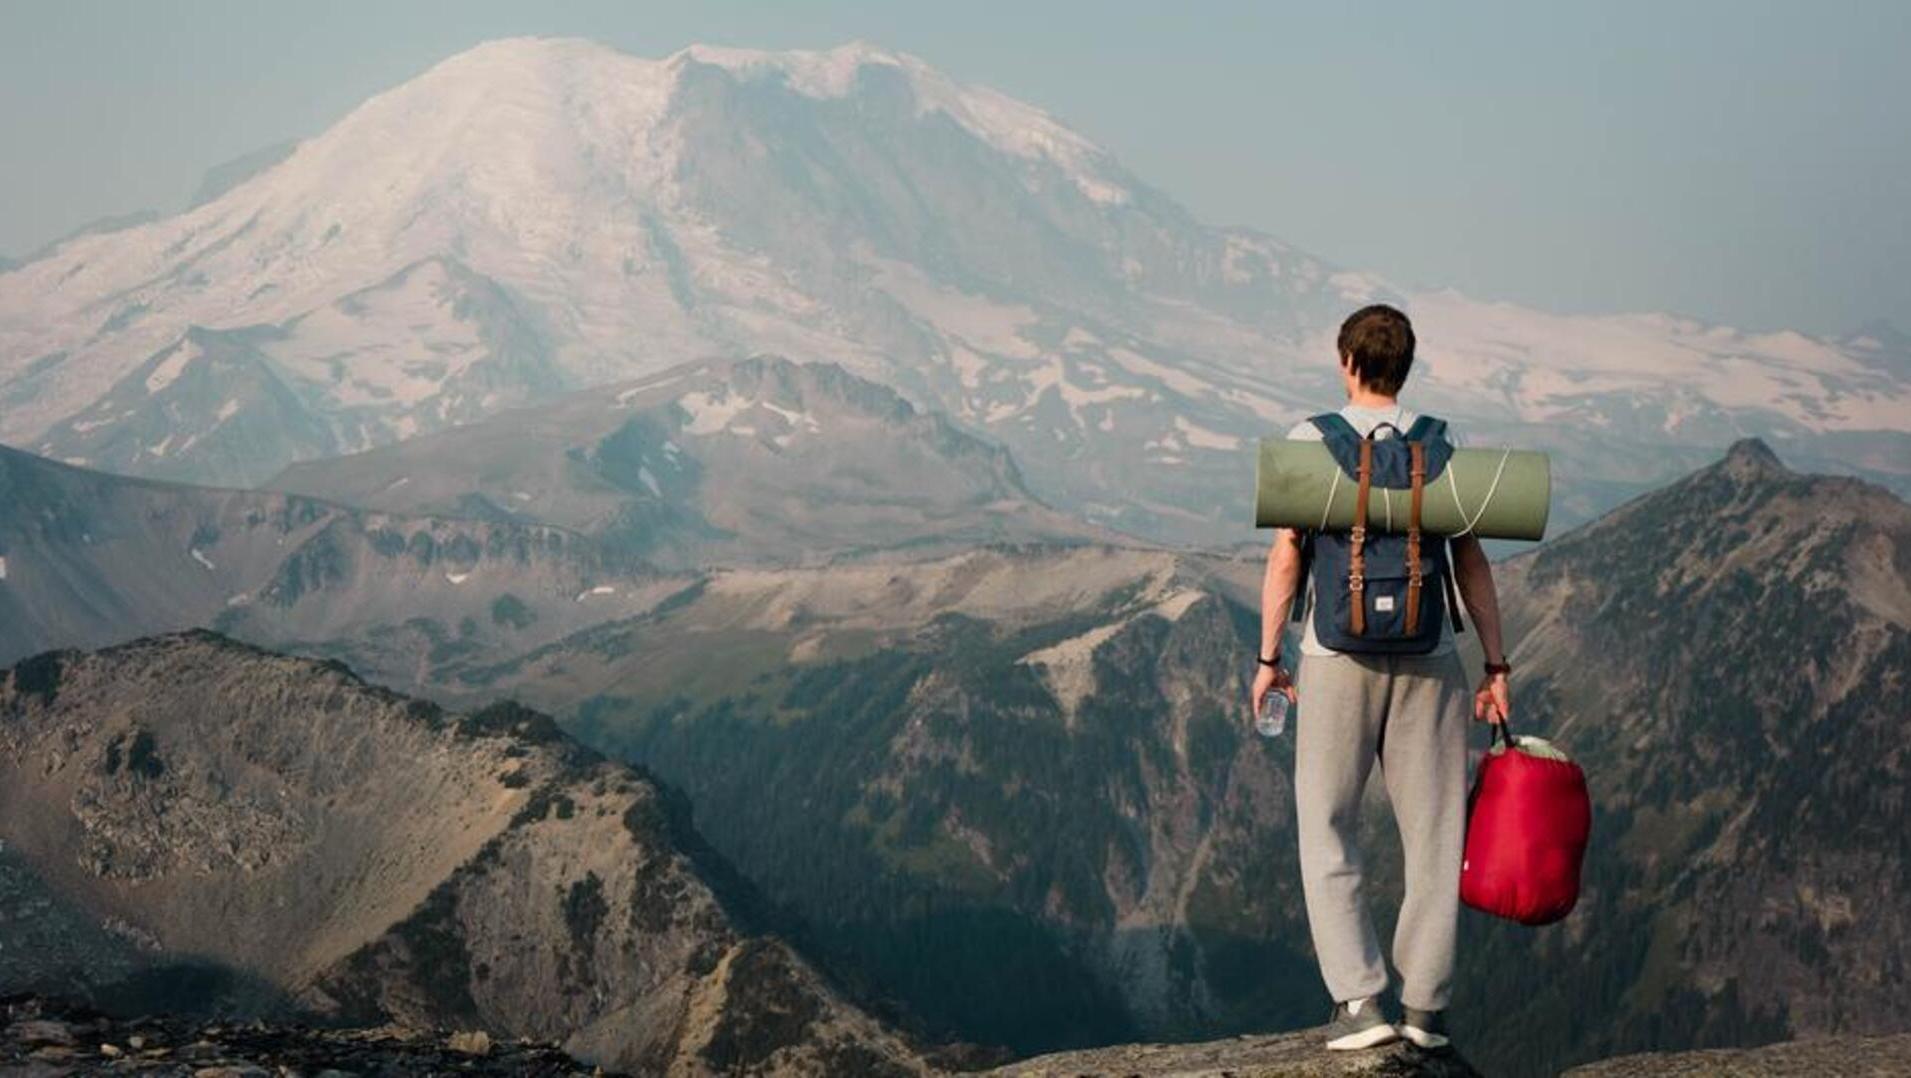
(377, 859)
(1721, 656)
(712, 462)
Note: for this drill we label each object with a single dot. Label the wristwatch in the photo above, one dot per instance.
(1265, 661)
(1499, 668)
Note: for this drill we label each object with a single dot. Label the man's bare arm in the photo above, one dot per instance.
(1279, 586)
(1473, 576)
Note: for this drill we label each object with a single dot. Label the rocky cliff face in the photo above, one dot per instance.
(1730, 659)
(270, 835)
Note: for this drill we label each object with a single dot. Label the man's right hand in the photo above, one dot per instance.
(1269, 679)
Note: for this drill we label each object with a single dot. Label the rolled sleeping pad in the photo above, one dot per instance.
(1491, 493)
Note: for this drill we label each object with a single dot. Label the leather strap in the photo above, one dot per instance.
(1418, 452)
(1357, 554)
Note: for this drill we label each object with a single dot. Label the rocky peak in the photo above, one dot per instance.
(278, 838)
(1750, 459)
(1726, 657)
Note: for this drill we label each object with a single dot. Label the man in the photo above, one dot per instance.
(1408, 713)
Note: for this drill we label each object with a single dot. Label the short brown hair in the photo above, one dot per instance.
(1377, 342)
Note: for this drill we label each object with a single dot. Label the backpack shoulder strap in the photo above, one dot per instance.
(1426, 428)
(1333, 425)
(1453, 593)
(1301, 592)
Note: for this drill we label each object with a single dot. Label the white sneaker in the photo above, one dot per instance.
(1358, 1023)
(1427, 1029)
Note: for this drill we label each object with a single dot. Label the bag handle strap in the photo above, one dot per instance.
(1503, 733)
(1357, 554)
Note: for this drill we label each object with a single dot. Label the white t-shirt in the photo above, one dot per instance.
(1364, 420)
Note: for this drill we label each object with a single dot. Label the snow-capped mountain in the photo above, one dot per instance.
(533, 216)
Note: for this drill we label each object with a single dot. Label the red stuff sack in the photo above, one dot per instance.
(1528, 818)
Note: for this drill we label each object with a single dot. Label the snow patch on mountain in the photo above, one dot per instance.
(171, 366)
(1005, 123)
(712, 411)
(1547, 367)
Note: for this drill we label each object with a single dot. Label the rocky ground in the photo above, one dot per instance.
(1817, 1057)
(41, 1038)
(1279, 1055)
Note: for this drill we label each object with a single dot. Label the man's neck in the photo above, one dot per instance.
(1366, 398)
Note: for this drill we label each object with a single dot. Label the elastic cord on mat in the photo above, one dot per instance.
(1491, 489)
(1328, 509)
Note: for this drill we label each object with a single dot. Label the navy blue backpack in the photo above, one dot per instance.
(1385, 591)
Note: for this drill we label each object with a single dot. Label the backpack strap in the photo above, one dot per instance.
(1418, 453)
(1333, 425)
(1453, 594)
(1356, 552)
(1307, 568)
(1425, 429)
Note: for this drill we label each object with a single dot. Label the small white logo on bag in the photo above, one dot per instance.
(1383, 602)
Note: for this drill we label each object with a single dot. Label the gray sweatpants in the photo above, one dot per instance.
(1409, 714)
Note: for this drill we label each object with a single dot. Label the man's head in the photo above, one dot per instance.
(1376, 349)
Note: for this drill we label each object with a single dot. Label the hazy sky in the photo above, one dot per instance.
(1742, 161)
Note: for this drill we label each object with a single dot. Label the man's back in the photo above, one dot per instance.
(1365, 419)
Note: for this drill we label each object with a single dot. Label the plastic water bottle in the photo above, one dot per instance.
(1272, 718)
